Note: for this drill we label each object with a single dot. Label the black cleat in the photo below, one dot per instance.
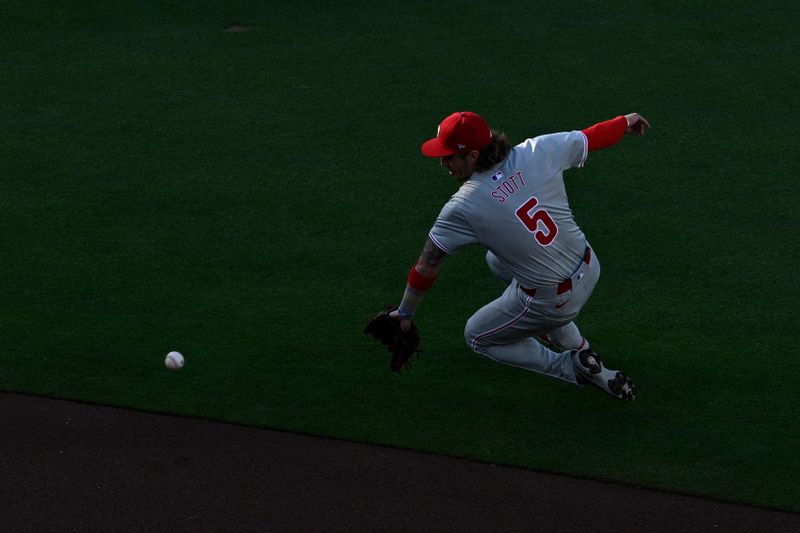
(589, 369)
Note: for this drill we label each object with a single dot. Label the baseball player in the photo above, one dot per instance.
(513, 201)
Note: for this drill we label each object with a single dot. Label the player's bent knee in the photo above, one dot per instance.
(468, 335)
(472, 337)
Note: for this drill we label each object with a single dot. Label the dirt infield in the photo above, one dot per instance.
(67, 466)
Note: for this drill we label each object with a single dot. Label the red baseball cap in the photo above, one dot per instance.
(460, 132)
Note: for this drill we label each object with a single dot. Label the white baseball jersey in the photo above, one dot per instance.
(519, 210)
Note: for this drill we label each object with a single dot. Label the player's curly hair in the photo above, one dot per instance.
(495, 152)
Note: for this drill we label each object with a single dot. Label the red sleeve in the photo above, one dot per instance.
(606, 133)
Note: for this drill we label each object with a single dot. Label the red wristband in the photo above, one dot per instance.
(419, 281)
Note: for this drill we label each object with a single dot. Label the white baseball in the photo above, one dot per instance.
(174, 361)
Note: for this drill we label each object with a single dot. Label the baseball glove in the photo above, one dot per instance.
(402, 344)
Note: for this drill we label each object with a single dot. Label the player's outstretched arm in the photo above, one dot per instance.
(608, 133)
(420, 279)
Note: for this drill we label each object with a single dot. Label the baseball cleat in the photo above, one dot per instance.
(589, 369)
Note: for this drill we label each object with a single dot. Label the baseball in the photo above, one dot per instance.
(174, 361)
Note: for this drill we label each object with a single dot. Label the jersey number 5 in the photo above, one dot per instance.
(532, 218)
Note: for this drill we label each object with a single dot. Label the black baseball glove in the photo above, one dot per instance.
(402, 344)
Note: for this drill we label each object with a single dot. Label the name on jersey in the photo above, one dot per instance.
(511, 185)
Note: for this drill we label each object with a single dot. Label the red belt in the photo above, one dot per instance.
(565, 285)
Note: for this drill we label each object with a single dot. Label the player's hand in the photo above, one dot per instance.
(405, 323)
(637, 124)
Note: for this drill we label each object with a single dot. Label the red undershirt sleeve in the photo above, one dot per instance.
(606, 133)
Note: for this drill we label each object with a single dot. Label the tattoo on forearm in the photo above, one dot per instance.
(432, 255)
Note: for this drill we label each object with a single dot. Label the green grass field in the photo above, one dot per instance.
(249, 198)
